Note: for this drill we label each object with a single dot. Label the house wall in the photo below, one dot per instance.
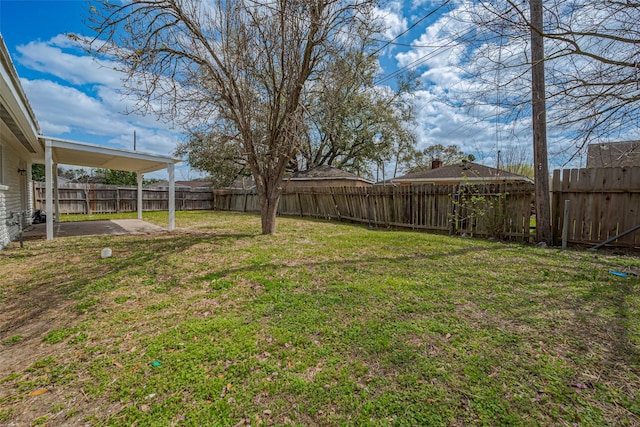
(613, 155)
(15, 190)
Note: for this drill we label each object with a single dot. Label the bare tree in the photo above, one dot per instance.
(590, 59)
(592, 64)
(516, 159)
(236, 68)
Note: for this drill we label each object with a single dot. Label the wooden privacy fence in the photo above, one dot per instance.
(500, 210)
(99, 198)
(603, 202)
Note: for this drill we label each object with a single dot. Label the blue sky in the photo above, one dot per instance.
(74, 98)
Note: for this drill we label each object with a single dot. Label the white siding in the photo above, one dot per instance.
(10, 194)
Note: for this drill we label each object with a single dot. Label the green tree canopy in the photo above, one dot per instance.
(352, 122)
(117, 177)
(417, 160)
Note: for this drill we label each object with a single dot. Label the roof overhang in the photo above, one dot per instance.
(81, 154)
(330, 178)
(18, 125)
(465, 180)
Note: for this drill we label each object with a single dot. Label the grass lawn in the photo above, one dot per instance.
(321, 324)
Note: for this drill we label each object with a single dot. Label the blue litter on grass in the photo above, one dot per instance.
(618, 273)
(156, 363)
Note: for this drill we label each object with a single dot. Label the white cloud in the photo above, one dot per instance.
(54, 128)
(392, 16)
(439, 55)
(443, 124)
(72, 65)
(66, 107)
(80, 98)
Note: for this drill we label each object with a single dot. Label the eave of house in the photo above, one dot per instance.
(330, 178)
(17, 122)
(475, 180)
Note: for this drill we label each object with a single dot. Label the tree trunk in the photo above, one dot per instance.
(268, 201)
(268, 213)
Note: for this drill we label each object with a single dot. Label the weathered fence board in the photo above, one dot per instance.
(603, 202)
(501, 210)
(96, 198)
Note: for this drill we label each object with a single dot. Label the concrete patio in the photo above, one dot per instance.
(92, 228)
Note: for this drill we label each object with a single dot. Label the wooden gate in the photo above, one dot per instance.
(603, 202)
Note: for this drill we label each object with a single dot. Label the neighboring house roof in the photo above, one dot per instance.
(613, 154)
(324, 172)
(243, 183)
(184, 184)
(193, 184)
(459, 172)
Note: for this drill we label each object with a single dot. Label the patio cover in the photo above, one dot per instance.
(59, 151)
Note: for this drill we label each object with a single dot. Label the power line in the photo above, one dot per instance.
(425, 57)
(394, 42)
(411, 27)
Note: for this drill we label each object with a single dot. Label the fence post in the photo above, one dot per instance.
(565, 224)
(87, 201)
(454, 202)
(333, 198)
(368, 200)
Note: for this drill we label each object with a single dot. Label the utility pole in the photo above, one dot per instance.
(539, 120)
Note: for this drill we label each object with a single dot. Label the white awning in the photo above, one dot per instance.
(59, 151)
(74, 153)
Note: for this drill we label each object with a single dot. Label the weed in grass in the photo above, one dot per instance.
(158, 307)
(220, 284)
(40, 421)
(12, 340)
(81, 337)
(149, 282)
(58, 335)
(5, 414)
(123, 298)
(86, 305)
(11, 377)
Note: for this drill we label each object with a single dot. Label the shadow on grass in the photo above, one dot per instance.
(48, 294)
(611, 297)
(600, 316)
(54, 288)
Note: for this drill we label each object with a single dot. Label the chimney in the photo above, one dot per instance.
(436, 163)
